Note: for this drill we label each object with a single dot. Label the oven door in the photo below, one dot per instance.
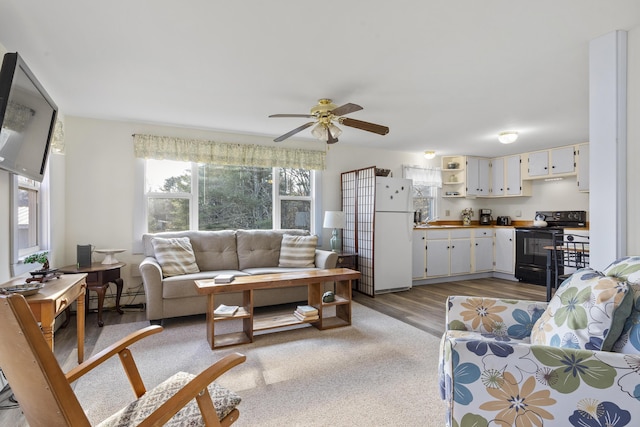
(531, 255)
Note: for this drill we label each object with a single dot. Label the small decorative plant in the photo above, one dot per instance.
(40, 257)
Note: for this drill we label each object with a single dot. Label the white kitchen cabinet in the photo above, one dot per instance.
(582, 160)
(460, 255)
(497, 177)
(438, 254)
(482, 248)
(478, 176)
(445, 252)
(549, 163)
(506, 177)
(419, 254)
(505, 250)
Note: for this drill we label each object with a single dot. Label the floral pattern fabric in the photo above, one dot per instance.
(491, 375)
(587, 312)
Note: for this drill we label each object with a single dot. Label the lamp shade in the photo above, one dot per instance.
(334, 219)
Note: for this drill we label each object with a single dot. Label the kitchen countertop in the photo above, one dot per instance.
(474, 224)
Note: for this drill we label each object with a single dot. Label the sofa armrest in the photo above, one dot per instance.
(487, 314)
(326, 259)
(151, 273)
(479, 374)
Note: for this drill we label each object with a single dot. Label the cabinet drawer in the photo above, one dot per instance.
(66, 299)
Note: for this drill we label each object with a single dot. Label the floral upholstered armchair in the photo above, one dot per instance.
(574, 361)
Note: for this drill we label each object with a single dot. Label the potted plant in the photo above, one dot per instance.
(41, 258)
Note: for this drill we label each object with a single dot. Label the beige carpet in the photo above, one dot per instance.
(377, 372)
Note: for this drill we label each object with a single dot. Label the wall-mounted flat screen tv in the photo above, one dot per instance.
(28, 118)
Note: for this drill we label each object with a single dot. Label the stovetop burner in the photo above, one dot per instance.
(561, 219)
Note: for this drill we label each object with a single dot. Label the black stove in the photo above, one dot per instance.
(560, 219)
(531, 257)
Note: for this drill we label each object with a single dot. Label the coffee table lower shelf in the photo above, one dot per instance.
(252, 322)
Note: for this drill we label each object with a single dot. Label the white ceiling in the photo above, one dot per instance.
(443, 75)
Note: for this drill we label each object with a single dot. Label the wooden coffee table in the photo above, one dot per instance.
(313, 279)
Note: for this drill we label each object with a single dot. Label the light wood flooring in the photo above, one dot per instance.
(421, 306)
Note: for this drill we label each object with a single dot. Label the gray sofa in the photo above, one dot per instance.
(239, 252)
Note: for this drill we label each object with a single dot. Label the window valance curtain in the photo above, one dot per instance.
(203, 151)
(428, 177)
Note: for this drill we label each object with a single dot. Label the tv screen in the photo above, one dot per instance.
(28, 117)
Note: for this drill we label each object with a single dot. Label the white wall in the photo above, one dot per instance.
(633, 141)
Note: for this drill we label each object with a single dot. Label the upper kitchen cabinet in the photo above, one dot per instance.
(582, 156)
(454, 176)
(550, 163)
(506, 177)
(478, 173)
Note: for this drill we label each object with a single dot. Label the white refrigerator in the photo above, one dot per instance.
(393, 230)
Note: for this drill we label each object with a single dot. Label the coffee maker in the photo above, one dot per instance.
(485, 217)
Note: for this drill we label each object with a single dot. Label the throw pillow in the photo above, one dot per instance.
(175, 255)
(629, 341)
(298, 251)
(627, 268)
(588, 312)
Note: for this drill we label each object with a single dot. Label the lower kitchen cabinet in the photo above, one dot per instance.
(482, 250)
(441, 252)
(505, 250)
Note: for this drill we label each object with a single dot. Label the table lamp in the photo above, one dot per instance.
(335, 220)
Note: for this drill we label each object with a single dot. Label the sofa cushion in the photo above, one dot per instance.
(175, 255)
(588, 312)
(261, 248)
(298, 251)
(629, 341)
(626, 268)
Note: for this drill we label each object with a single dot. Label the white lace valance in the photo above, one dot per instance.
(427, 177)
(202, 151)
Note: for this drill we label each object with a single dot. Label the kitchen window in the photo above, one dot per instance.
(426, 185)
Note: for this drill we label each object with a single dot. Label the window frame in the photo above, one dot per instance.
(141, 202)
(18, 267)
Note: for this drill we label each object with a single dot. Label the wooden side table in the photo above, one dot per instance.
(56, 296)
(347, 260)
(98, 278)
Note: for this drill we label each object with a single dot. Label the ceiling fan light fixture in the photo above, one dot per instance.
(320, 131)
(429, 155)
(508, 136)
(335, 130)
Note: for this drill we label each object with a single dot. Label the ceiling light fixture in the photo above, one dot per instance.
(429, 155)
(320, 131)
(507, 137)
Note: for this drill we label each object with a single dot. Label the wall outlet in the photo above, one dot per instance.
(447, 212)
(518, 213)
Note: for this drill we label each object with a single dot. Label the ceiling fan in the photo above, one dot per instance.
(326, 113)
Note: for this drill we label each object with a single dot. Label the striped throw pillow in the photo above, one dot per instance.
(175, 255)
(298, 251)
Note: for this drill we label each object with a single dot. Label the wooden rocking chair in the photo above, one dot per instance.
(47, 399)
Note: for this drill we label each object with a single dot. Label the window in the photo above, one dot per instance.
(28, 238)
(426, 182)
(29, 228)
(185, 195)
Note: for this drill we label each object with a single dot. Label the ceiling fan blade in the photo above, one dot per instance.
(293, 132)
(370, 127)
(346, 109)
(293, 115)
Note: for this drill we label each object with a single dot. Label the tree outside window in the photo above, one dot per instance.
(227, 197)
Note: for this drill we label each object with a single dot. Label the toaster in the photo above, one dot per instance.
(503, 220)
